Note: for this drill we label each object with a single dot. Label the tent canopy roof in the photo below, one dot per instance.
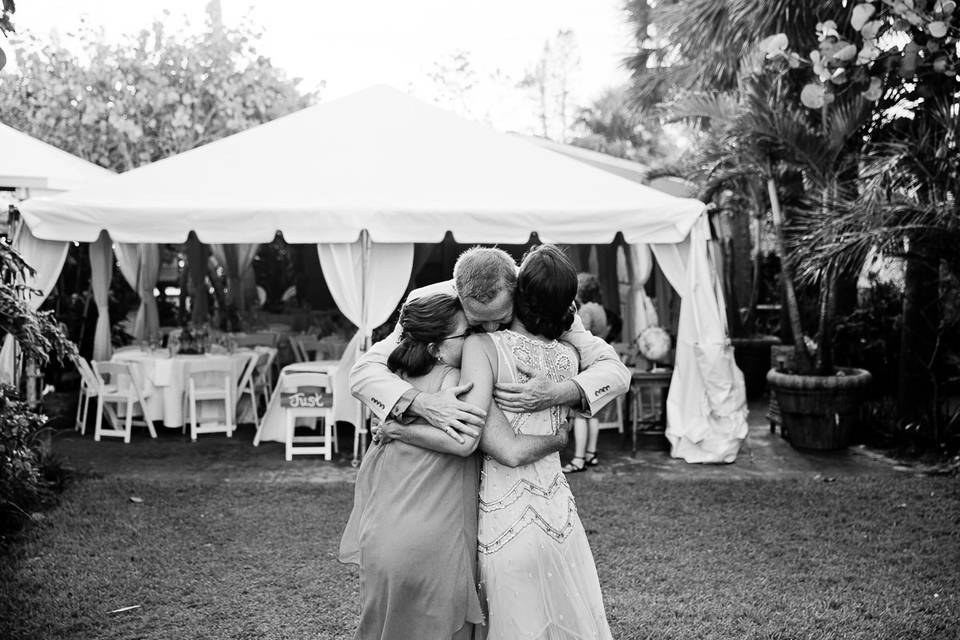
(378, 160)
(29, 163)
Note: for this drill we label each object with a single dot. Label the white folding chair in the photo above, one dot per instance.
(611, 416)
(118, 384)
(210, 381)
(308, 385)
(89, 388)
(263, 374)
(246, 385)
(304, 347)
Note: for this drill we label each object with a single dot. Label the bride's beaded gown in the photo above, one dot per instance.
(537, 573)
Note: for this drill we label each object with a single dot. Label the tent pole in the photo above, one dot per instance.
(365, 342)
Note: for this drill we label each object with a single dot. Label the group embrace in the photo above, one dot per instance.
(451, 543)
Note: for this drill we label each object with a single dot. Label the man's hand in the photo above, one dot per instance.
(536, 394)
(385, 432)
(447, 412)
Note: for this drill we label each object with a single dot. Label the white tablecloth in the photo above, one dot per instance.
(273, 426)
(163, 381)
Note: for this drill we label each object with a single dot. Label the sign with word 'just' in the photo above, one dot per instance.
(307, 398)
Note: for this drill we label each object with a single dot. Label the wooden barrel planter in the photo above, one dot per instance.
(753, 358)
(819, 412)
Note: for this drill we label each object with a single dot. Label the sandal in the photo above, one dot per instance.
(591, 459)
(570, 467)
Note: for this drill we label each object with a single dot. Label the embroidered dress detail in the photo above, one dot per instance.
(528, 517)
(537, 573)
(516, 491)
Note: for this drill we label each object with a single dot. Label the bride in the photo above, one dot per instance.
(537, 573)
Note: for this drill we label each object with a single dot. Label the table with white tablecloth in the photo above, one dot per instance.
(273, 426)
(163, 380)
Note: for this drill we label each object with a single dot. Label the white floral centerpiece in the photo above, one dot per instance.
(654, 343)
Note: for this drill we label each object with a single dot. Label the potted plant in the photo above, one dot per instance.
(769, 147)
(834, 108)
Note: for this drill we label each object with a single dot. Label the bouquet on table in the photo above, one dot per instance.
(654, 344)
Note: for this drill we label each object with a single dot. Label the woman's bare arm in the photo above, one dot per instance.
(429, 437)
(498, 440)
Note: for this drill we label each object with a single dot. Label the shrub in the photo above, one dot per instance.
(24, 461)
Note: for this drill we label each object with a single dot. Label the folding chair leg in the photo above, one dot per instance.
(328, 440)
(128, 423)
(76, 422)
(86, 415)
(99, 426)
(148, 421)
(193, 418)
(291, 425)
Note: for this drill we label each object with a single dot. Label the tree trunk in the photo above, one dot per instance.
(804, 364)
(921, 319)
(741, 267)
(828, 305)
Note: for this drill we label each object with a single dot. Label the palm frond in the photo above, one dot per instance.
(714, 106)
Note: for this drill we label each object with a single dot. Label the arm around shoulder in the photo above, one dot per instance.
(372, 382)
(602, 375)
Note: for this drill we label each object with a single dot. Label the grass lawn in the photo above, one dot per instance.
(862, 557)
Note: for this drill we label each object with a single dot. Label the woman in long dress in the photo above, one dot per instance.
(537, 573)
(413, 528)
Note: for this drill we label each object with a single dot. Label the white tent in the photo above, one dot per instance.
(28, 163)
(30, 167)
(368, 175)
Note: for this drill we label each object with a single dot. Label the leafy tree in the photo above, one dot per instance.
(454, 80)
(7, 9)
(549, 81)
(870, 61)
(23, 456)
(147, 97)
(616, 126)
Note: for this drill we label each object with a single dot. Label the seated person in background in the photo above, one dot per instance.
(586, 429)
(590, 305)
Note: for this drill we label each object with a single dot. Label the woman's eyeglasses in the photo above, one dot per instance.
(459, 335)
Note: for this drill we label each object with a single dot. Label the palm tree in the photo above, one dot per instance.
(908, 207)
(764, 146)
(701, 44)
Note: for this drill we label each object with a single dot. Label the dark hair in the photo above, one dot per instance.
(546, 288)
(588, 288)
(424, 320)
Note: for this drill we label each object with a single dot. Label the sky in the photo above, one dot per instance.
(340, 47)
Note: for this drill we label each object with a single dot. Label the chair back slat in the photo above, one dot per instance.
(116, 374)
(293, 381)
(86, 372)
(265, 339)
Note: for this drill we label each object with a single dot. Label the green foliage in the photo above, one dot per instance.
(146, 97)
(7, 10)
(23, 485)
(869, 337)
(37, 334)
(701, 44)
(619, 128)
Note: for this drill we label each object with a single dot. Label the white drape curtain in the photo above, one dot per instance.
(707, 405)
(47, 258)
(644, 312)
(236, 260)
(140, 266)
(101, 263)
(367, 281)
